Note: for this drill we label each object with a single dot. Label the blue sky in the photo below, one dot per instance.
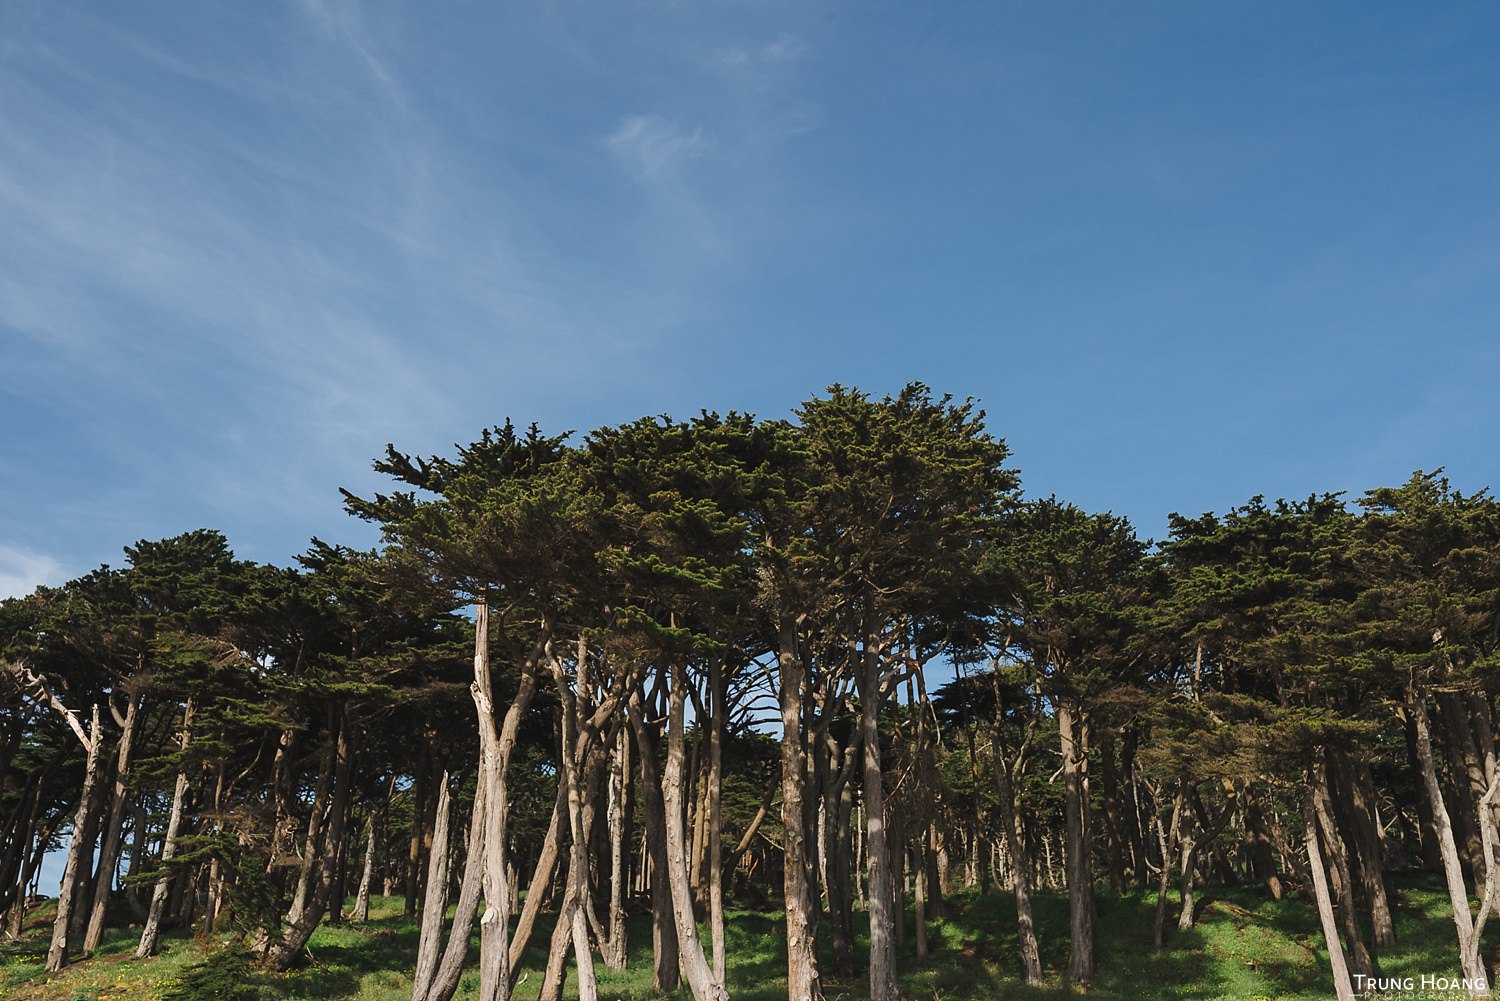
(1185, 253)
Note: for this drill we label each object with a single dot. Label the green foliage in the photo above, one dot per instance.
(225, 975)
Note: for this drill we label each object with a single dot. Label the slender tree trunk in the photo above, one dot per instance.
(1020, 863)
(303, 920)
(1258, 842)
(1166, 837)
(152, 929)
(412, 881)
(803, 982)
(695, 966)
(430, 938)
(665, 972)
(494, 944)
(1458, 891)
(1343, 988)
(575, 754)
(880, 901)
(1361, 963)
(109, 852)
(1353, 797)
(541, 880)
(495, 750)
(1188, 849)
(444, 981)
(919, 903)
(1114, 841)
(57, 952)
(612, 943)
(366, 873)
(717, 709)
(1080, 871)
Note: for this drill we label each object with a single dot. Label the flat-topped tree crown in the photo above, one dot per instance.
(509, 513)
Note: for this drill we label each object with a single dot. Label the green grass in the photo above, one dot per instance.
(1245, 947)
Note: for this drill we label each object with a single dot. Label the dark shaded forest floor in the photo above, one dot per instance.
(1245, 947)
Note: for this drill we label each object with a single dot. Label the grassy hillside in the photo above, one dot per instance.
(1244, 948)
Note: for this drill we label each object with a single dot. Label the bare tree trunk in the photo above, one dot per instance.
(717, 709)
(1080, 872)
(152, 929)
(919, 908)
(1458, 891)
(109, 852)
(1341, 983)
(495, 750)
(695, 967)
(450, 968)
(430, 938)
(1258, 842)
(541, 879)
(367, 869)
(1361, 963)
(306, 913)
(1188, 848)
(574, 754)
(1166, 837)
(57, 952)
(1015, 845)
(880, 899)
(665, 972)
(803, 982)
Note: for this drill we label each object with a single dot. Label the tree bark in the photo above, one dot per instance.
(1458, 891)
(1361, 963)
(803, 982)
(665, 972)
(450, 968)
(152, 929)
(430, 937)
(695, 966)
(109, 852)
(1080, 872)
(1343, 988)
(57, 952)
(1020, 861)
(495, 750)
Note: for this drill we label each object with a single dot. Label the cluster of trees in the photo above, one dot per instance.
(969, 687)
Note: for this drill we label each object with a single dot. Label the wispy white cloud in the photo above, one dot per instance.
(647, 146)
(23, 571)
(785, 49)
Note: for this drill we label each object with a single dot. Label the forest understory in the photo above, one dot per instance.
(1245, 947)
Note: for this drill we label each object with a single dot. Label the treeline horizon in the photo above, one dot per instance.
(548, 690)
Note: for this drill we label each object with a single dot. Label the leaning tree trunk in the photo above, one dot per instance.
(1361, 962)
(109, 853)
(1458, 891)
(1341, 983)
(152, 929)
(430, 938)
(444, 981)
(305, 915)
(57, 952)
(541, 881)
